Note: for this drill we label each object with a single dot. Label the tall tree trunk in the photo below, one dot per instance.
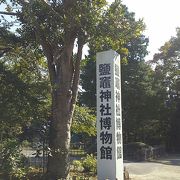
(58, 166)
(64, 92)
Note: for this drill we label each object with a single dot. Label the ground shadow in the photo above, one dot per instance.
(171, 159)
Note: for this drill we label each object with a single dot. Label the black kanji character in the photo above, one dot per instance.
(104, 69)
(105, 123)
(105, 109)
(106, 152)
(117, 70)
(118, 136)
(118, 96)
(106, 137)
(119, 152)
(105, 82)
(117, 83)
(105, 95)
(118, 123)
(118, 110)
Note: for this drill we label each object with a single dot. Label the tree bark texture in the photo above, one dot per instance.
(64, 77)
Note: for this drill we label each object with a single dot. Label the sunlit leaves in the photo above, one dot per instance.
(117, 27)
(84, 121)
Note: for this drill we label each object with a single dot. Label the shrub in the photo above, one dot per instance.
(89, 163)
(77, 165)
(136, 151)
(12, 161)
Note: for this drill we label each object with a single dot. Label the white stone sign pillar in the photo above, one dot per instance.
(109, 116)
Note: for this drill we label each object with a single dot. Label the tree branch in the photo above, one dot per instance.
(9, 13)
(47, 49)
(48, 53)
(23, 2)
(76, 76)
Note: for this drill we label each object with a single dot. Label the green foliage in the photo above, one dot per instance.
(84, 121)
(13, 97)
(12, 159)
(89, 163)
(77, 165)
(7, 38)
(88, 82)
(117, 28)
(34, 173)
(55, 20)
(24, 93)
(24, 100)
(139, 101)
(167, 73)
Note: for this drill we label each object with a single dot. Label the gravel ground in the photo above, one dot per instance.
(167, 168)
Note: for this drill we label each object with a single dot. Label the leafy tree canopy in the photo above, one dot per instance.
(167, 75)
(24, 96)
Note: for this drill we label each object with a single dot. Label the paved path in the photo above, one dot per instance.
(167, 168)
